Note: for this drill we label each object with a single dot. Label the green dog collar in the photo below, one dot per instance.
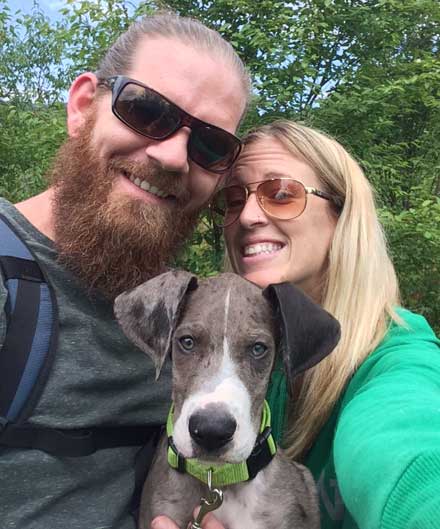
(227, 473)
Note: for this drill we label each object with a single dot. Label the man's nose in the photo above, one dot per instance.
(172, 152)
(252, 214)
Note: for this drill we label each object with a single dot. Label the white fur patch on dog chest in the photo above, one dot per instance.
(241, 505)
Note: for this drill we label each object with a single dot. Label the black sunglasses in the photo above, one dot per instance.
(153, 115)
(281, 198)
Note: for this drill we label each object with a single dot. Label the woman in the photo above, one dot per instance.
(366, 420)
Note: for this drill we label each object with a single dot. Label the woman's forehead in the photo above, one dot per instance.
(268, 158)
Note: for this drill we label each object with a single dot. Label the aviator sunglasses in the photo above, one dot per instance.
(153, 115)
(281, 198)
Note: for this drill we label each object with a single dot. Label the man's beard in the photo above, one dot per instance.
(114, 243)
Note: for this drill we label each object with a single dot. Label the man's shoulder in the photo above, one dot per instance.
(20, 243)
(20, 239)
(22, 226)
(7, 209)
(8, 217)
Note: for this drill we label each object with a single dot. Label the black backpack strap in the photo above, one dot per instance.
(32, 324)
(76, 442)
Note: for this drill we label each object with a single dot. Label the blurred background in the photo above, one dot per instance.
(365, 71)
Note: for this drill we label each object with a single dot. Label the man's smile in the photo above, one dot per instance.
(146, 186)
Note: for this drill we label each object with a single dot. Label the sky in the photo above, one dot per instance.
(49, 7)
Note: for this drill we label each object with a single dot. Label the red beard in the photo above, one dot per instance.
(113, 243)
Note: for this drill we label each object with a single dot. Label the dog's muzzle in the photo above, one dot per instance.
(227, 473)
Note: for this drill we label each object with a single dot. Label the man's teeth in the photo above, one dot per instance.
(143, 184)
(264, 247)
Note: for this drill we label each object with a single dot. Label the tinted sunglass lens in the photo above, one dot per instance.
(282, 198)
(213, 148)
(227, 205)
(146, 112)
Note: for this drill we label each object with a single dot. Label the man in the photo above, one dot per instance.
(150, 138)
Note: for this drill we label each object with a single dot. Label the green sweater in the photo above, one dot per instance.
(377, 459)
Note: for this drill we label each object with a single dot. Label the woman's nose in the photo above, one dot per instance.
(172, 152)
(252, 214)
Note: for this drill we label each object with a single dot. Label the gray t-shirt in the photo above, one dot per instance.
(97, 379)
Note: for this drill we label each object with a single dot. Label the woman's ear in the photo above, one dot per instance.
(82, 95)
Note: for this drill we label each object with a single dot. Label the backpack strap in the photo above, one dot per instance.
(32, 325)
(76, 442)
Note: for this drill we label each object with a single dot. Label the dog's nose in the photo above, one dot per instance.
(211, 428)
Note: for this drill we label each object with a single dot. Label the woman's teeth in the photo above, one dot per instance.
(143, 184)
(265, 247)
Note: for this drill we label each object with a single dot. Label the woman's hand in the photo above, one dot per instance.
(163, 522)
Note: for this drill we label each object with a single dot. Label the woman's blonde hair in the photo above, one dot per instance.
(360, 287)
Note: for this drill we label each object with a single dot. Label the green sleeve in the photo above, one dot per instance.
(387, 441)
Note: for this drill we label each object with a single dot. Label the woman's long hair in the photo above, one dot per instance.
(360, 287)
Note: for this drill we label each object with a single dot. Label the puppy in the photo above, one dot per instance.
(224, 335)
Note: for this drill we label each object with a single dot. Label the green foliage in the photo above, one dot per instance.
(366, 71)
(205, 253)
(414, 238)
(90, 28)
(29, 137)
(31, 115)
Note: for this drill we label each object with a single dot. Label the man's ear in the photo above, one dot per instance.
(148, 314)
(308, 332)
(81, 98)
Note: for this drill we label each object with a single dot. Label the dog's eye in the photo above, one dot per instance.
(187, 342)
(259, 349)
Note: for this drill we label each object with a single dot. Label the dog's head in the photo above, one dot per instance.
(223, 334)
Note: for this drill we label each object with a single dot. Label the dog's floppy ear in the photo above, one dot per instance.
(309, 333)
(148, 314)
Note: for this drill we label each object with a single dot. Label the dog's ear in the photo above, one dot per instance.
(308, 332)
(148, 314)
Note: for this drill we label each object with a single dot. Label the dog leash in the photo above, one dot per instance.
(209, 504)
